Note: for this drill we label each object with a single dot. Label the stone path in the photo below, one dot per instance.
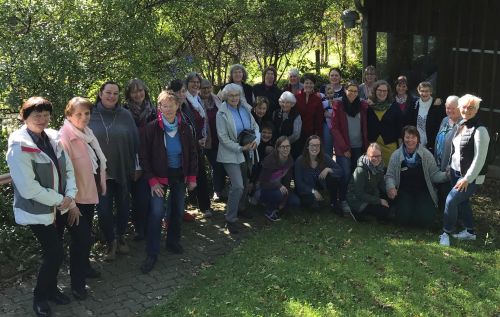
(123, 290)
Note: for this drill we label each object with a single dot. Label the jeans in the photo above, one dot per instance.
(238, 176)
(50, 238)
(330, 183)
(458, 203)
(327, 140)
(347, 164)
(218, 173)
(114, 192)
(201, 190)
(141, 193)
(273, 199)
(177, 199)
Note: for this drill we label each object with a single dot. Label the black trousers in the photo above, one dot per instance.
(330, 183)
(50, 238)
(87, 211)
(378, 211)
(201, 190)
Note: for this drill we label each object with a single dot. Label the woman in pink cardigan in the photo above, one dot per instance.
(88, 160)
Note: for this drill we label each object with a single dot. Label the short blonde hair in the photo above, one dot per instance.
(469, 99)
(70, 107)
(167, 95)
(374, 146)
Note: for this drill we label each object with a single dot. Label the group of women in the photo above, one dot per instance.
(108, 156)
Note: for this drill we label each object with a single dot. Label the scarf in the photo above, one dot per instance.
(381, 105)
(140, 112)
(411, 159)
(93, 147)
(196, 103)
(352, 109)
(170, 128)
(379, 169)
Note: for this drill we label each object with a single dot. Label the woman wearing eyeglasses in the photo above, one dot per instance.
(316, 171)
(367, 187)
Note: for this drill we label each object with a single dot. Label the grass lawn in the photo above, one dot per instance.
(321, 265)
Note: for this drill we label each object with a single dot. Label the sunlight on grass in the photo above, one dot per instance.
(303, 309)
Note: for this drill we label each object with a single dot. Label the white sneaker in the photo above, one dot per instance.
(464, 235)
(344, 206)
(444, 239)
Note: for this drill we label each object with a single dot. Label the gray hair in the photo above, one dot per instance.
(452, 100)
(294, 71)
(236, 67)
(205, 83)
(469, 99)
(190, 76)
(232, 88)
(287, 96)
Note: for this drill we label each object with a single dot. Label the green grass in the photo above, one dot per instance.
(320, 265)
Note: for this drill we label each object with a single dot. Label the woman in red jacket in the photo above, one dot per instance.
(349, 134)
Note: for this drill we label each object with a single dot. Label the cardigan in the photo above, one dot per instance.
(340, 128)
(311, 113)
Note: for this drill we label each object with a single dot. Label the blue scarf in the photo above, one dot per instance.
(413, 159)
(169, 127)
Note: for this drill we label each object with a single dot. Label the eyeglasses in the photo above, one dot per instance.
(234, 96)
(352, 91)
(285, 147)
(382, 90)
(314, 146)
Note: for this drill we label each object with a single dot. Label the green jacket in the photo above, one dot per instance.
(364, 188)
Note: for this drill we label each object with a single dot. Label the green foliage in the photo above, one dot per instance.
(318, 265)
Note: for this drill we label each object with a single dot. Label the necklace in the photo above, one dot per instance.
(108, 126)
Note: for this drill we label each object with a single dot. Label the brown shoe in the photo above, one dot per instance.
(111, 251)
(122, 246)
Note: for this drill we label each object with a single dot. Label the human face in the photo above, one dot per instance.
(138, 95)
(194, 85)
(80, 116)
(382, 92)
(411, 142)
(401, 89)
(284, 149)
(308, 86)
(269, 78)
(181, 95)
(314, 147)
(37, 121)
(334, 77)
(109, 96)
(205, 92)
(351, 93)
(452, 111)
(329, 93)
(286, 106)
(233, 99)
(260, 110)
(425, 93)
(266, 135)
(293, 79)
(169, 108)
(468, 111)
(237, 76)
(370, 77)
(375, 156)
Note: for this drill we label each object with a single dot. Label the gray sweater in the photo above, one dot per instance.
(432, 173)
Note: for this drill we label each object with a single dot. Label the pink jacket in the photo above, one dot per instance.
(85, 181)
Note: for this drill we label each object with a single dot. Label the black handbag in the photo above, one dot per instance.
(246, 136)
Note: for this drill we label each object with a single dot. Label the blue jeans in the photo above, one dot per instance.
(273, 198)
(177, 197)
(458, 203)
(141, 193)
(348, 164)
(327, 140)
(114, 192)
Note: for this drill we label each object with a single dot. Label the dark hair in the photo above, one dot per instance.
(309, 76)
(350, 83)
(401, 80)
(412, 130)
(267, 125)
(70, 107)
(377, 84)
(307, 158)
(236, 67)
(175, 85)
(134, 84)
(260, 100)
(280, 141)
(190, 76)
(335, 69)
(101, 89)
(35, 103)
(270, 68)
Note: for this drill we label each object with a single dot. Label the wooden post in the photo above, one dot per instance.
(318, 61)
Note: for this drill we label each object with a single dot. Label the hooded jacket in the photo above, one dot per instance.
(365, 187)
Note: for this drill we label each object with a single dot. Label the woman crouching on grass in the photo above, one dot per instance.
(315, 171)
(275, 179)
(168, 158)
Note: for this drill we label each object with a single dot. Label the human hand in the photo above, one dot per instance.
(369, 102)
(65, 203)
(317, 195)
(392, 193)
(191, 186)
(347, 154)
(438, 102)
(202, 141)
(461, 185)
(325, 172)
(250, 146)
(74, 215)
(283, 190)
(384, 202)
(157, 190)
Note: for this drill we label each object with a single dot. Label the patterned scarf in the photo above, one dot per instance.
(411, 159)
(140, 112)
(381, 105)
(379, 169)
